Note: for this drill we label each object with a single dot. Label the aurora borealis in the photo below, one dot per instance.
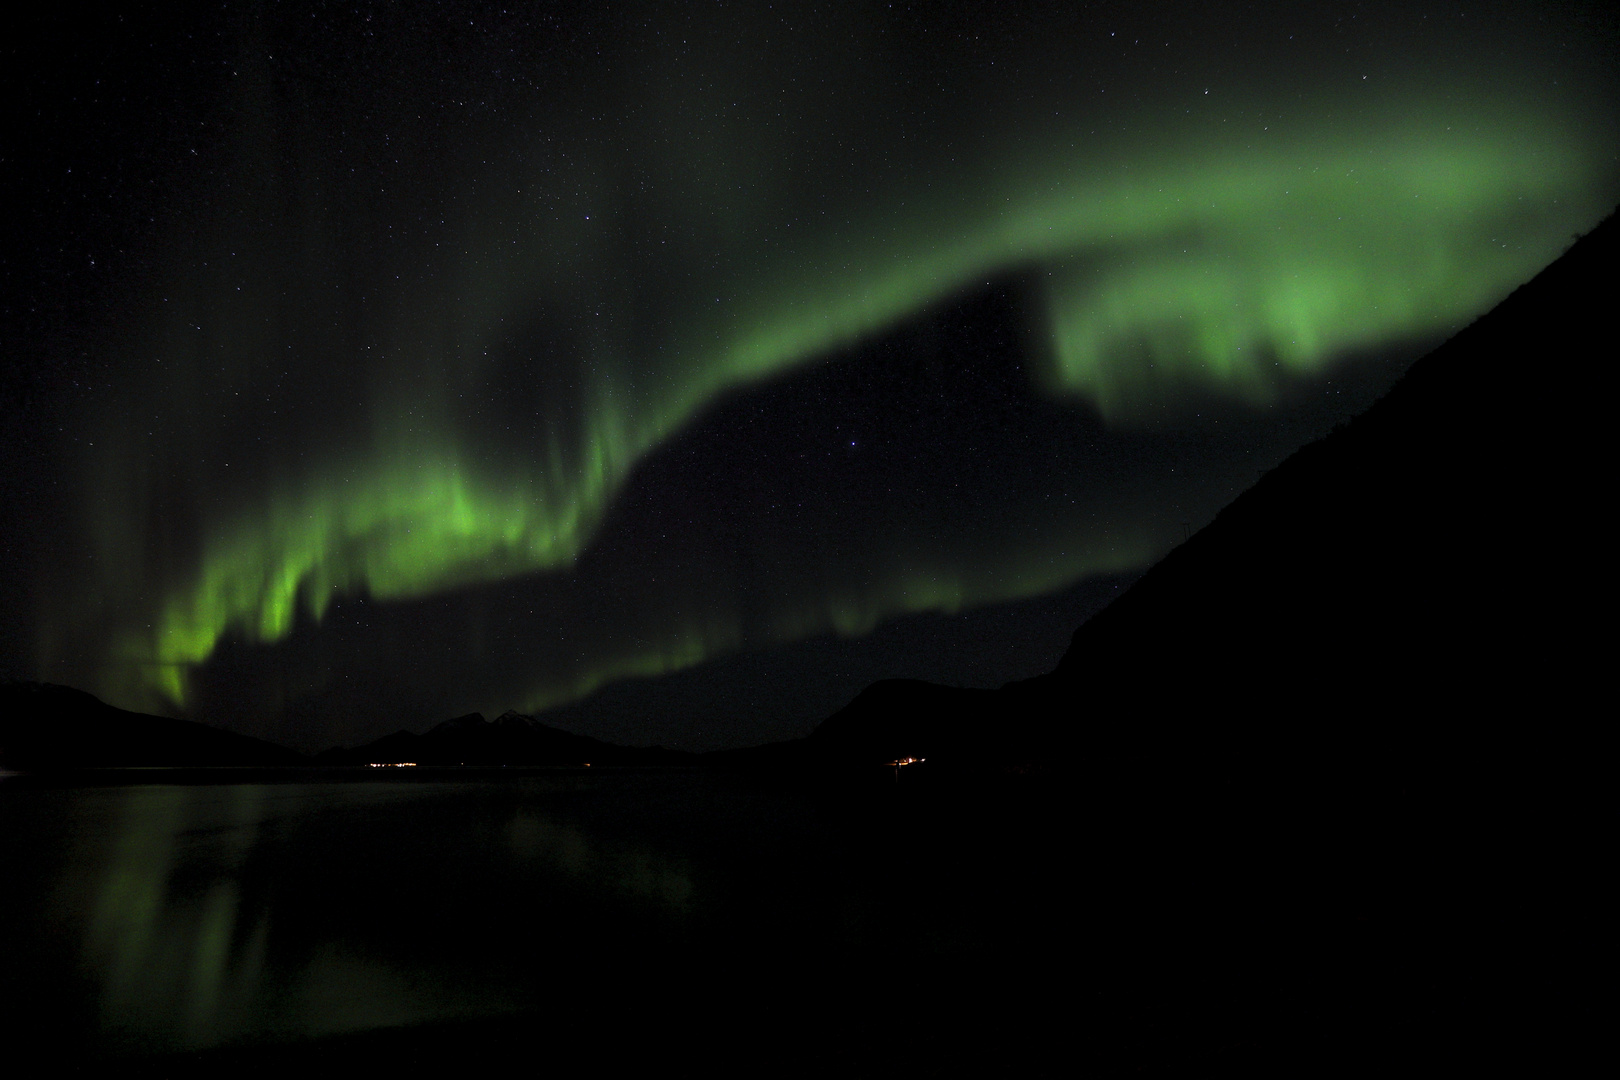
(477, 359)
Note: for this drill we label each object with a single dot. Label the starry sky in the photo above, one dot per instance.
(687, 366)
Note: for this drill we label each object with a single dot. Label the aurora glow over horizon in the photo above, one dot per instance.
(412, 342)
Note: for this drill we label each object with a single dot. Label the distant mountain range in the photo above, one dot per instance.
(46, 727)
(509, 739)
(1425, 576)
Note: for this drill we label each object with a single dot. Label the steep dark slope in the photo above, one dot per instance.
(55, 727)
(1329, 775)
(1424, 572)
(1420, 579)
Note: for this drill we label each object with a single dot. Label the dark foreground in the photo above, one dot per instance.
(1215, 917)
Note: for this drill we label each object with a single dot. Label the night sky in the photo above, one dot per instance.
(369, 364)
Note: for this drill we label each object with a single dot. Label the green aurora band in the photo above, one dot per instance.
(1195, 262)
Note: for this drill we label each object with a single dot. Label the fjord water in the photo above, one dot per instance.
(1194, 916)
(163, 917)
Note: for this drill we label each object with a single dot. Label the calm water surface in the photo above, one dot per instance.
(151, 917)
(1127, 920)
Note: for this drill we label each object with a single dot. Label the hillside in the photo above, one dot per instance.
(56, 727)
(1410, 583)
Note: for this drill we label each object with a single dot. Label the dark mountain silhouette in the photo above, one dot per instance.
(1330, 777)
(1410, 584)
(899, 718)
(1324, 786)
(510, 739)
(43, 726)
(1413, 574)
(950, 729)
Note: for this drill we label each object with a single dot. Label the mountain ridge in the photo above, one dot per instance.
(1348, 592)
(47, 726)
